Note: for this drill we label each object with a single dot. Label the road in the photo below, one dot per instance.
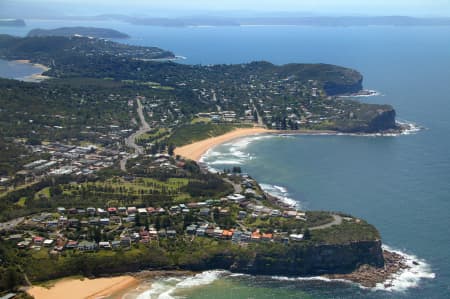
(130, 140)
(237, 187)
(337, 220)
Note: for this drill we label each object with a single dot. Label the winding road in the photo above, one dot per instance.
(337, 220)
(130, 141)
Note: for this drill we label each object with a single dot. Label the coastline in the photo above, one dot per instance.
(37, 77)
(196, 150)
(72, 288)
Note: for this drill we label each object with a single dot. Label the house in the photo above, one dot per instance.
(236, 197)
(246, 236)
(115, 219)
(151, 210)
(91, 210)
(63, 221)
(23, 244)
(115, 244)
(162, 233)
(204, 211)
(52, 223)
(125, 242)
(289, 214)
(122, 210)
(153, 233)
(227, 234)
(87, 246)
(48, 242)
(112, 211)
(191, 229)
(61, 210)
(131, 210)
(94, 221)
(104, 221)
(236, 238)
(104, 245)
(266, 236)
(218, 232)
(71, 244)
(296, 237)
(101, 212)
(242, 215)
(174, 209)
(200, 231)
(38, 240)
(73, 222)
(275, 213)
(171, 233)
(142, 211)
(256, 236)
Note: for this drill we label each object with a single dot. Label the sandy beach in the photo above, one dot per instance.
(37, 77)
(87, 288)
(194, 151)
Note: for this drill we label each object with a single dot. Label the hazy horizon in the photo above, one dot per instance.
(179, 8)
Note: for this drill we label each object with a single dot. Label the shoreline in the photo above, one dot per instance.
(73, 288)
(36, 77)
(196, 150)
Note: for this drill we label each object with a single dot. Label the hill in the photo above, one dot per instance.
(80, 31)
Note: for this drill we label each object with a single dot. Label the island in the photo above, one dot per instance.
(79, 31)
(93, 181)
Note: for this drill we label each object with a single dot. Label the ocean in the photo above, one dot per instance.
(400, 184)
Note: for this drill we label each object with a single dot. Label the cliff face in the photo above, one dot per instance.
(314, 260)
(338, 88)
(384, 120)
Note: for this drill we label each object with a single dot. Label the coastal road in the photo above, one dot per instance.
(336, 221)
(130, 141)
(237, 187)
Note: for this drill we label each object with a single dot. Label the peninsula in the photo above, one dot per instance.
(95, 178)
(79, 31)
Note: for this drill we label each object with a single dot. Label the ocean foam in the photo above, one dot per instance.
(281, 193)
(418, 270)
(399, 282)
(166, 288)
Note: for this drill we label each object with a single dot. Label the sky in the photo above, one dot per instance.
(190, 7)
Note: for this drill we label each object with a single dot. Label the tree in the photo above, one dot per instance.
(306, 234)
(171, 149)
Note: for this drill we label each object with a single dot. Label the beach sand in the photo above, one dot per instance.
(84, 289)
(37, 77)
(194, 151)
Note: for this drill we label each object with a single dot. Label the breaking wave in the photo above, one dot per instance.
(281, 193)
(168, 287)
(401, 281)
(405, 279)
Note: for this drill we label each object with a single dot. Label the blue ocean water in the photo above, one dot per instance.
(400, 184)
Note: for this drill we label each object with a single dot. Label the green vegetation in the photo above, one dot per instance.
(198, 131)
(92, 99)
(348, 231)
